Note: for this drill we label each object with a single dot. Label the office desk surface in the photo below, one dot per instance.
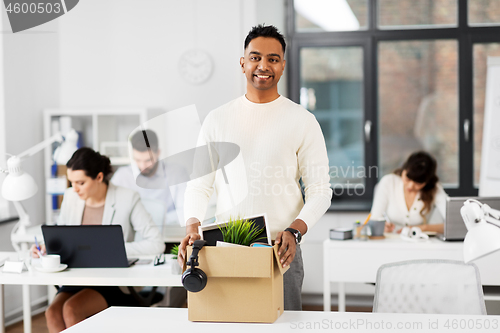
(136, 275)
(358, 261)
(151, 320)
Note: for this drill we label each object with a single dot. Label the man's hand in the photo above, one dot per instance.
(286, 242)
(191, 236)
(287, 247)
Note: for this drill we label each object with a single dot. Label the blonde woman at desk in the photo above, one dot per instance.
(410, 194)
(93, 200)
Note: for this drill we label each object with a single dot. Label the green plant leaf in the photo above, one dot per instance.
(240, 231)
(175, 251)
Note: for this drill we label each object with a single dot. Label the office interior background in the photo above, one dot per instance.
(383, 78)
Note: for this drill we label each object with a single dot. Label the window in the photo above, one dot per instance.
(330, 15)
(332, 89)
(481, 53)
(484, 12)
(406, 75)
(418, 104)
(417, 14)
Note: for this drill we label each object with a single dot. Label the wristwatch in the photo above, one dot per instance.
(296, 234)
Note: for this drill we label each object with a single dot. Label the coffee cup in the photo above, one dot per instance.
(377, 227)
(51, 261)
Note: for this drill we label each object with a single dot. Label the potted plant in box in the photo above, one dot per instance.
(174, 251)
(238, 231)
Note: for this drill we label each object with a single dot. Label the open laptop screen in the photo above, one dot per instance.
(454, 226)
(87, 246)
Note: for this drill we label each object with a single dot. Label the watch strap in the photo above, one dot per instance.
(295, 234)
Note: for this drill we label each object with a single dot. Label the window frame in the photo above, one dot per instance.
(465, 36)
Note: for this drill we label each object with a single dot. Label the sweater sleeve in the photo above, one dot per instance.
(314, 169)
(200, 187)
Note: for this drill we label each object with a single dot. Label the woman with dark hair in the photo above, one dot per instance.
(93, 200)
(408, 196)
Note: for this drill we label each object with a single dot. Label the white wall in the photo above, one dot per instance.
(129, 55)
(30, 83)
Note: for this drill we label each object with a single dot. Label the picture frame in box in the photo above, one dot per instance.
(211, 232)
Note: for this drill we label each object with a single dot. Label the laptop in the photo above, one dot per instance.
(211, 233)
(87, 246)
(454, 226)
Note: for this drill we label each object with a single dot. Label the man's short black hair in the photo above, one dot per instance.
(265, 31)
(142, 140)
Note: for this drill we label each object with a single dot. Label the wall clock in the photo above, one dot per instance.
(195, 66)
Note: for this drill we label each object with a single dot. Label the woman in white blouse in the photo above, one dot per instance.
(410, 194)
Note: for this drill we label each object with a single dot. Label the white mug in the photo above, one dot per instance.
(51, 261)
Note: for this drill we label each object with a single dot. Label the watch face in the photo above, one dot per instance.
(299, 236)
(195, 66)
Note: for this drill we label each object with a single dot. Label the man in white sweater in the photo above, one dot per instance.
(280, 143)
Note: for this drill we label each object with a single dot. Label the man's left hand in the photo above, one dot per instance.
(287, 247)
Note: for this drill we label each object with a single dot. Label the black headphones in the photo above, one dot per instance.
(194, 279)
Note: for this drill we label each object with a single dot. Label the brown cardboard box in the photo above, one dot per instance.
(245, 284)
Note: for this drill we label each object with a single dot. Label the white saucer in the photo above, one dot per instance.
(42, 269)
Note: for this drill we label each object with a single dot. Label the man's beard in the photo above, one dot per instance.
(150, 171)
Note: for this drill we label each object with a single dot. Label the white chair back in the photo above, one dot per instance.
(429, 286)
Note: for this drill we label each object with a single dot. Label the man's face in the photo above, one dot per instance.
(146, 161)
(263, 63)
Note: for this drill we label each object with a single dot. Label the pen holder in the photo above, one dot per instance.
(361, 232)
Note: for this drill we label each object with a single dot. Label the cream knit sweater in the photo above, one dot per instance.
(279, 142)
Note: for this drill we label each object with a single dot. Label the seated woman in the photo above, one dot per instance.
(93, 200)
(408, 196)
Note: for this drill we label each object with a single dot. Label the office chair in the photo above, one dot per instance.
(429, 286)
(146, 297)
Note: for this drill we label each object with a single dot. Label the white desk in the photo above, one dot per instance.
(358, 261)
(137, 275)
(152, 320)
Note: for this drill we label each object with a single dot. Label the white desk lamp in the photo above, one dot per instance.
(483, 225)
(19, 185)
(63, 153)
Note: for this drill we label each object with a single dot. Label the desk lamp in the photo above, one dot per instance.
(483, 225)
(19, 185)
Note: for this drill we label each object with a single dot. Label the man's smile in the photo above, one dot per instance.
(263, 76)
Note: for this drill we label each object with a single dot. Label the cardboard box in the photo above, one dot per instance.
(244, 284)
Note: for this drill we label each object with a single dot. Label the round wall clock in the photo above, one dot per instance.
(195, 66)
